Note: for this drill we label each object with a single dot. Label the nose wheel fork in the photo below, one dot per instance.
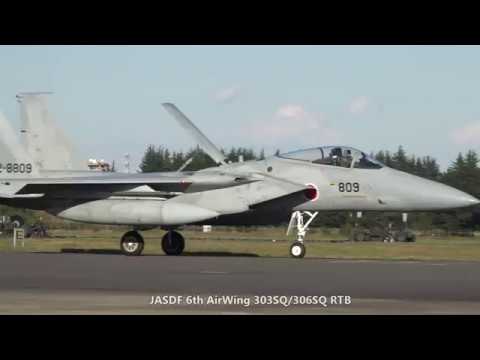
(298, 250)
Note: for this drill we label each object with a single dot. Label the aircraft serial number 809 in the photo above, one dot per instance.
(16, 168)
(349, 187)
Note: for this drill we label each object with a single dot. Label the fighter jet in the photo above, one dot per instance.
(295, 185)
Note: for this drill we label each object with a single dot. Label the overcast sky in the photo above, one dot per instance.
(108, 98)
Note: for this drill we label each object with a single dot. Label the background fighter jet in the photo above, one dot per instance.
(296, 185)
(44, 141)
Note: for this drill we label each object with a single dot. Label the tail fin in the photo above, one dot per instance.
(14, 160)
(195, 132)
(44, 140)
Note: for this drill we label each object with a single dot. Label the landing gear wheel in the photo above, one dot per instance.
(173, 243)
(131, 244)
(297, 250)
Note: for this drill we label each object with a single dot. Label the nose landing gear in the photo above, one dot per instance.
(298, 250)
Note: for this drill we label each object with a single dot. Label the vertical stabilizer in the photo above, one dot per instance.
(46, 143)
(14, 160)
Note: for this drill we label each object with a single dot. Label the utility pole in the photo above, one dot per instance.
(127, 163)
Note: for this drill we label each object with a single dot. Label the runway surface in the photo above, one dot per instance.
(102, 283)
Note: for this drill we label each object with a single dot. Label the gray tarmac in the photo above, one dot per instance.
(65, 283)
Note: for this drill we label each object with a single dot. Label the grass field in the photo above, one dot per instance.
(264, 242)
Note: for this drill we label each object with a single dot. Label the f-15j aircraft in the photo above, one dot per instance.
(297, 184)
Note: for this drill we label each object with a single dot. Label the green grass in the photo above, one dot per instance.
(223, 242)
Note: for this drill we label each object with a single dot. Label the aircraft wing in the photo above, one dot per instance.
(167, 182)
(266, 192)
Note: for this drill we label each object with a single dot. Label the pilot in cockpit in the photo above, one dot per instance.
(336, 156)
(340, 159)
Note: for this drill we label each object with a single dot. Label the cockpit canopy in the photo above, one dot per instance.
(341, 156)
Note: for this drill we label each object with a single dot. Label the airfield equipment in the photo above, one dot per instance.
(9, 223)
(380, 229)
(18, 235)
(99, 165)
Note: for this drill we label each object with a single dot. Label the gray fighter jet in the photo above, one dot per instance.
(45, 142)
(295, 185)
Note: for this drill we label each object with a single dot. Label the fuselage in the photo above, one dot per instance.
(336, 188)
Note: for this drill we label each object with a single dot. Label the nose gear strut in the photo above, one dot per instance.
(297, 250)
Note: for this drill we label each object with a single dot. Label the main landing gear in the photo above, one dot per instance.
(173, 243)
(298, 250)
(132, 243)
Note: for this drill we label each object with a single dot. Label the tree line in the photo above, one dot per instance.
(463, 174)
(162, 159)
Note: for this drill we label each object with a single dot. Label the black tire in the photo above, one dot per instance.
(17, 221)
(173, 243)
(297, 250)
(131, 244)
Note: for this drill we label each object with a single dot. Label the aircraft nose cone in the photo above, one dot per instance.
(466, 200)
(446, 197)
(426, 195)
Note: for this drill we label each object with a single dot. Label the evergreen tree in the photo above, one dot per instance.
(464, 173)
(430, 168)
(419, 168)
(178, 159)
(411, 165)
(149, 160)
(200, 160)
(399, 159)
(388, 160)
(455, 173)
(471, 159)
(380, 156)
(262, 155)
(232, 155)
(249, 154)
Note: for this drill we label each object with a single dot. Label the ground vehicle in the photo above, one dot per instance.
(377, 230)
